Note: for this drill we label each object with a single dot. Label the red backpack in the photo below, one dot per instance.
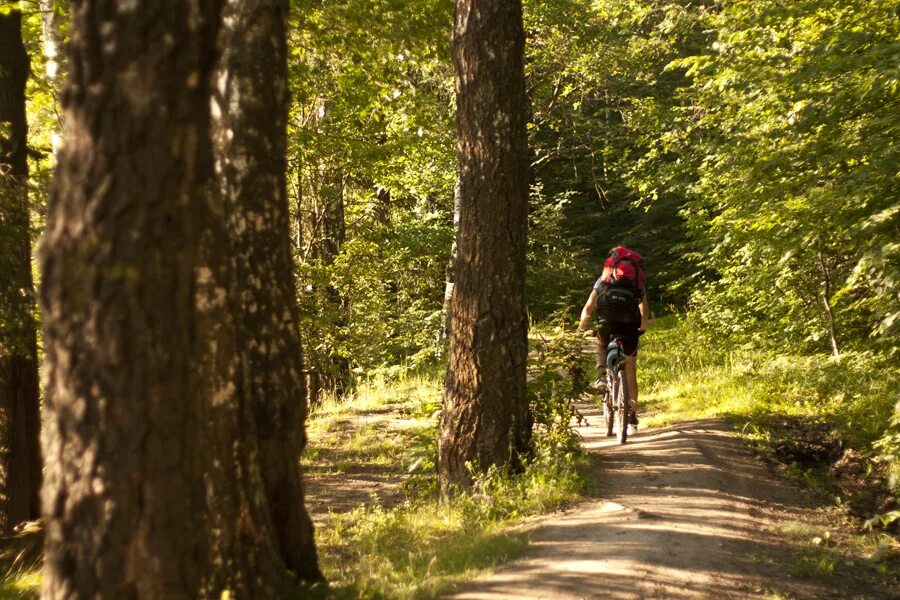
(621, 285)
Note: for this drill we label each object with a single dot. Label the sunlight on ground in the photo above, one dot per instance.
(23, 587)
(422, 546)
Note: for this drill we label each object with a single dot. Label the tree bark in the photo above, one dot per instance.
(125, 460)
(250, 111)
(485, 419)
(20, 460)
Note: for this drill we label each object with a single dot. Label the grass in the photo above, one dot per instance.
(421, 546)
(388, 425)
(854, 394)
(424, 546)
(851, 397)
(25, 586)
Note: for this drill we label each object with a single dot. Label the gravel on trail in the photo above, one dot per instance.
(679, 512)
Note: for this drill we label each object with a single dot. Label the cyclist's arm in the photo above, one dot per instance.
(588, 311)
(645, 312)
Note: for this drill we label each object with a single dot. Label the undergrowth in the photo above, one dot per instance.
(24, 586)
(852, 399)
(427, 545)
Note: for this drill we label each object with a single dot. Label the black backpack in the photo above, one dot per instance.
(620, 287)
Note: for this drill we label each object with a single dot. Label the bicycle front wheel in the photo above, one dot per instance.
(622, 405)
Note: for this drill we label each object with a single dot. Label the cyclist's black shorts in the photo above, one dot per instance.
(627, 331)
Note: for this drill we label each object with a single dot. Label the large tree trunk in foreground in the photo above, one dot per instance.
(20, 459)
(250, 133)
(125, 430)
(486, 420)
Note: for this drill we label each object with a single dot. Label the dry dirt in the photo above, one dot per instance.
(679, 512)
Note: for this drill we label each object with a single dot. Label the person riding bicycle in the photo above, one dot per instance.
(623, 311)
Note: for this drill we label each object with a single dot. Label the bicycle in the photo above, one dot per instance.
(615, 401)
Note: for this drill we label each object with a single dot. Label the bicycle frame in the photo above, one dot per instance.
(615, 402)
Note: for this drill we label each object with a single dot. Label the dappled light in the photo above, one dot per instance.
(406, 299)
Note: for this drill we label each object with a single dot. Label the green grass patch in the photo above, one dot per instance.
(426, 546)
(855, 394)
(24, 586)
(391, 426)
(832, 404)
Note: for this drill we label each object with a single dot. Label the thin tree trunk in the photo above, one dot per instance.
(485, 419)
(51, 30)
(450, 277)
(382, 209)
(124, 446)
(335, 374)
(826, 303)
(250, 129)
(20, 460)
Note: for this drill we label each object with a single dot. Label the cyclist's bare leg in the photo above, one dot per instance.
(631, 375)
(602, 334)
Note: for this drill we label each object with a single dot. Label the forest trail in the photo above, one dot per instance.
(683, 511)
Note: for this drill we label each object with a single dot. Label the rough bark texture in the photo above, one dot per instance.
(250, 132)
(20, 460)
(124, 428)
(485, 420)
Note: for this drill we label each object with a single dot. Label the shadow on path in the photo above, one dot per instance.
(686, 513)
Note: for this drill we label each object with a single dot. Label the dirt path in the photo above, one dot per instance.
(686, 512)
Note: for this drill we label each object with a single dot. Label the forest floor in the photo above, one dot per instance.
(686, 511)
(681, 511)
(362, 450)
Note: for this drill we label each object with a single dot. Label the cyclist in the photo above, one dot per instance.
(623, 310)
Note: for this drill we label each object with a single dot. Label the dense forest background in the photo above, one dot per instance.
(746, 148)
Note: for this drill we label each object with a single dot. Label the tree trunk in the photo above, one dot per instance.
(20, 460)
(334, 372)
(250, 133)
(826, 304)
(125, 430)
(485, 420)
(51, 32)
(450, 277)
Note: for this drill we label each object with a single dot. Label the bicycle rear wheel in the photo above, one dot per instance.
(622, 405)
(609, 413)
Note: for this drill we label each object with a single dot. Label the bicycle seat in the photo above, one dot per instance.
(613, 355)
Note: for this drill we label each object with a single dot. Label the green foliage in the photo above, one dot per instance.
(371, 144)
(592, 66)
(854, 394)
(785, 132)
(26, 586)
(557, 378)
(425, 545)
(391, 279)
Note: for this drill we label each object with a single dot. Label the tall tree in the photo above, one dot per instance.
(125, 432)
(52, 35)
(250, 134)
(485, 420)
(20, 461)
